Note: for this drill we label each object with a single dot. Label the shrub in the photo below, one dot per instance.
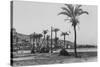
(32, 51)
(63, 52)
(44, 50)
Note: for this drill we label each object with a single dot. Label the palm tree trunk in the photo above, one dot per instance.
(33, 45)
(75, 45)
(55, 34)
(39, 44)
(51, 41)
(64, 41)
(47, 43)
(55, 39)
(44, 36)
(33, 39)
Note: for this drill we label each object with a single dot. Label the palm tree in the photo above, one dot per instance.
(64, 34)
(36, 39)
(56, 30)
(39, 37)
(73, 12)
(45, 32)
(51, 39)
(33, 37)
(48, 37)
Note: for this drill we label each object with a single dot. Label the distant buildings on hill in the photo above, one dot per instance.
(22, 41)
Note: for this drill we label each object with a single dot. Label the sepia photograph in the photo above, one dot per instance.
(45, 33)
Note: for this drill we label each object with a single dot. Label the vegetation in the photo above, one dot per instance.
(48, 37)
(64, 34)
(63, 52)
(56, 38)
(45, 32)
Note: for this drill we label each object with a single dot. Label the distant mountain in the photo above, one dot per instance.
(23, 36)
(86, 46)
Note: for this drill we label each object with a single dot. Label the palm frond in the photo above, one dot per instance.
(64, 13)
(66, 9)
(70, 7)
(77, 9)
(45, 31)
(40, 35)
(83, 12)
(73, 11)
(56, 29)
(64, 33)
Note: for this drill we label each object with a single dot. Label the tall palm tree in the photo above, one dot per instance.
(56, 30)
(64, 34)
(73, 12)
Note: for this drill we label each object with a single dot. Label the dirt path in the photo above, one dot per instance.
(47, 58)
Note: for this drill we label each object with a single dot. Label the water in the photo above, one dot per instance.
(81, 50)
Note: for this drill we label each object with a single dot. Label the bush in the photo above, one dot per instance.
(63, 52)
(44, 50)
(32, 51)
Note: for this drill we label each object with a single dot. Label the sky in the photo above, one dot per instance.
(30, 17)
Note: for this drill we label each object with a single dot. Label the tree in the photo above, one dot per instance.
(73, 12)
(39, 37)
(48, 37)
(45, 49)
(64, 34)
(51, 39)
(45, 32)
(56, 30)
(32, 37)
(37, 40)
